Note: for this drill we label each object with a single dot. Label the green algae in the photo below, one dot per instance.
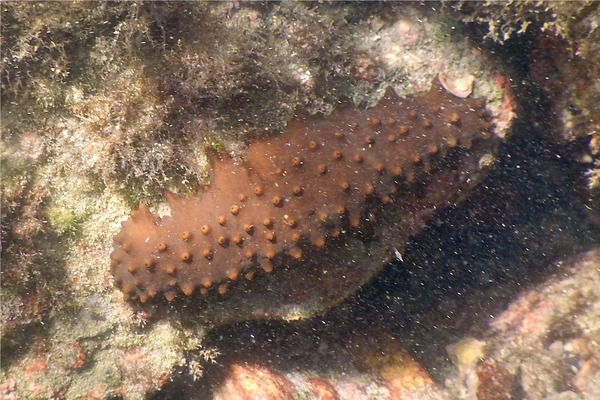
(65, 222)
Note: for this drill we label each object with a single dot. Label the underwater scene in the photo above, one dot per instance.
(329, 200)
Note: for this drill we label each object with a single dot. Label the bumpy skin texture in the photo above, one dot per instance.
(297, 198)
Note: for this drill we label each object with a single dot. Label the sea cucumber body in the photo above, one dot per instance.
(298, 197)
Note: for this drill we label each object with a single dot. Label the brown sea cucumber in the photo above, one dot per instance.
(298, 198)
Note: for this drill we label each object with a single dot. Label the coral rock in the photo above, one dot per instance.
(247, 382)
(495, 382)
(323, 390)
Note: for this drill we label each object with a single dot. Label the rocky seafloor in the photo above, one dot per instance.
(106, 104)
